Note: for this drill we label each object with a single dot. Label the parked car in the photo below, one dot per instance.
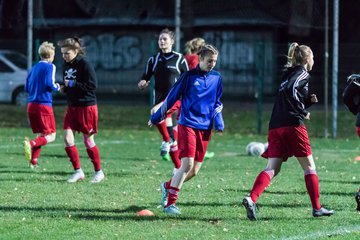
(13, 73)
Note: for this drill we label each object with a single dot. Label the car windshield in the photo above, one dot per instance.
(16, 58)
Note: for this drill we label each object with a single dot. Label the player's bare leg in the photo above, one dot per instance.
(194, 171)
(176, 183)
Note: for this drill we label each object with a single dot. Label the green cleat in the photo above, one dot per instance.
(27, 148)
(166, 157)
(209, 155)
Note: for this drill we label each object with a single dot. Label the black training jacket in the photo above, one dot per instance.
(83, 73)
(292, 100)
(166, 69)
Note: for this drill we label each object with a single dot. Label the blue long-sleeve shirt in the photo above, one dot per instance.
(41, 82)
(200, 94)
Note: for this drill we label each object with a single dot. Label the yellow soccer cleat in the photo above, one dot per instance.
(27, 148)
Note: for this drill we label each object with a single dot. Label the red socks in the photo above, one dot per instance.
(73, 154)
(311, 181)
(167, 184)
(175, 159)
(36, 148)
(175, 130)
(261, 183)
(35, 154)
(163, 131)
(94, 155)
(312, 186)
(38, 142)
(172, 196)
(358, 131)
(174, 154)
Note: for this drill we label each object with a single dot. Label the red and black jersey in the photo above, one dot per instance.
(292, 100)
(166, 68)
(82, 93)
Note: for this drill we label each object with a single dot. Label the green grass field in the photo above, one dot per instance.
(41, 205)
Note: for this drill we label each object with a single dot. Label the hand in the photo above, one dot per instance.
(143, 84)
(62, 89)
(313, 98)
(150, 123)
(219, 132)
(66, 82)
(307, 116)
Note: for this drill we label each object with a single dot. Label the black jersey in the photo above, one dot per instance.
(166, 68)
(351, 94)
(292, 100)
(83, 92)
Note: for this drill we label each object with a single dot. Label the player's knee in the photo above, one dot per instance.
(50, 137)
(272, 172)
(89, 142)
(195, 171)
(69, 141)
(187, 167)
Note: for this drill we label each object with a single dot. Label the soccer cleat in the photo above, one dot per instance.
(98, 177)
(27, 148)
(164, 148)
(164, 194)
(357, 198)
(33, 163)
(250, 207)
(209, 155)
(166, 157)
(33, 166)
(76, 176)
(172, 209)
(322, 212)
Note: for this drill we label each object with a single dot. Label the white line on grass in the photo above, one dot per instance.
(336, 150)
(5, 146)
(336, 232)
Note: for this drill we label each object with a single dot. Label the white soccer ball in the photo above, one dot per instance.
(247, 149)
(266, 145)
(257, 149)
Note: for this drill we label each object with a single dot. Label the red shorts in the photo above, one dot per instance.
(176, 107)
(41, 117)
(286, 142)
(193, 143)
(82, 119)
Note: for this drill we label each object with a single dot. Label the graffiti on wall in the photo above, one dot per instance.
(120, 58)
(111, 52)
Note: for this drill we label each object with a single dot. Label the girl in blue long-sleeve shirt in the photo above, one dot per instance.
(39, 85)
(199, 90)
